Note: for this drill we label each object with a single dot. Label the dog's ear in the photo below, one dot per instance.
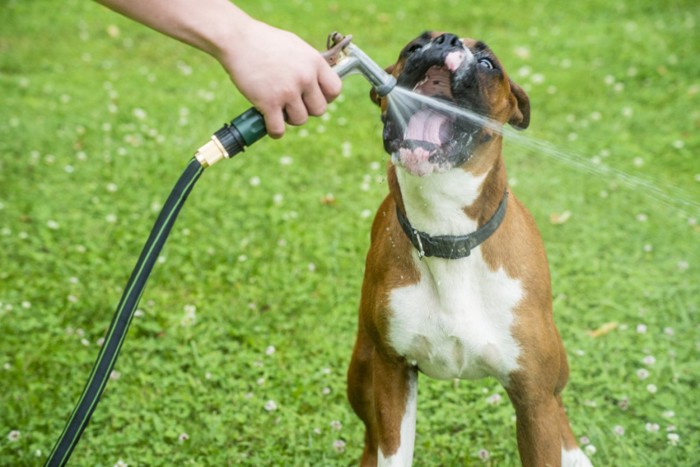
(521, 107)
(373, 94)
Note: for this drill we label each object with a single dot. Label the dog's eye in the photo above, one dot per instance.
(486, 63)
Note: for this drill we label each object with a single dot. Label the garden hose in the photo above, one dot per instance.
(228, 141)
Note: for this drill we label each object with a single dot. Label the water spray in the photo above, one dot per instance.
(345, 58)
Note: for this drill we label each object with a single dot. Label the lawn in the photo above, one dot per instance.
(238, 352)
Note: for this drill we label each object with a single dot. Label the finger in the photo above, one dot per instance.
(296, 112)
(329, 82)
(315, 101)
(274, 123)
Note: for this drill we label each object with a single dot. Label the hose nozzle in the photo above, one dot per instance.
(346, 57)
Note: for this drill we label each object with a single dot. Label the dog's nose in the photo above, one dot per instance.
(448, 40)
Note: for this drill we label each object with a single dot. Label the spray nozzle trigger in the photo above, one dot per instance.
(345, 57)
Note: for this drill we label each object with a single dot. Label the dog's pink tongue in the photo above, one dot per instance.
(427, 125)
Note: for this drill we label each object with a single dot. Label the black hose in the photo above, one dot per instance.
(122, 318)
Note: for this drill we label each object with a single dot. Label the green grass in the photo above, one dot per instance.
(100, 116)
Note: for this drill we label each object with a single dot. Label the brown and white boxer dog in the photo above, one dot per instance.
(456, 282)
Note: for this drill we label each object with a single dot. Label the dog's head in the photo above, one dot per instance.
(424, 137)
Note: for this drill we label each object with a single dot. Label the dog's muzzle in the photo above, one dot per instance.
(428, 135)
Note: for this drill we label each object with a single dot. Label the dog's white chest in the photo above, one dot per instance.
(456, 321)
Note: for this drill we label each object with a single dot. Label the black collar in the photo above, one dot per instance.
(452, 246)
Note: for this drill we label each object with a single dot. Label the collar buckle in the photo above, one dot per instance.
(421, 250)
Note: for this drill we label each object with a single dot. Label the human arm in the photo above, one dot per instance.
(283, 76)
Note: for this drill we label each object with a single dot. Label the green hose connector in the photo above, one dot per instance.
(233, 138)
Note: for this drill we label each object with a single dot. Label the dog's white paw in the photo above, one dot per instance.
(574, 458)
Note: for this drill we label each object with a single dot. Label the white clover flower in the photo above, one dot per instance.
(651, 427)
(494, 399)
(183, 437)
(484, 455)
(139, 113)
(522, 52)
(346, 149)
(270, 406)
(190, 316)
(619, 430)
(524, 71)
(14, 436)
(673, 439)
(642, 373)
(537, 78)
(649, 360)
(339, 445)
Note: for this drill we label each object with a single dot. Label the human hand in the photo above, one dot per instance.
(284, 77)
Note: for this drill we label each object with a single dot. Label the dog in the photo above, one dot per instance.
(456, 283)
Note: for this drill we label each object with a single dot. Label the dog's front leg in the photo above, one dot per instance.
(395, 394)
(538, 431)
